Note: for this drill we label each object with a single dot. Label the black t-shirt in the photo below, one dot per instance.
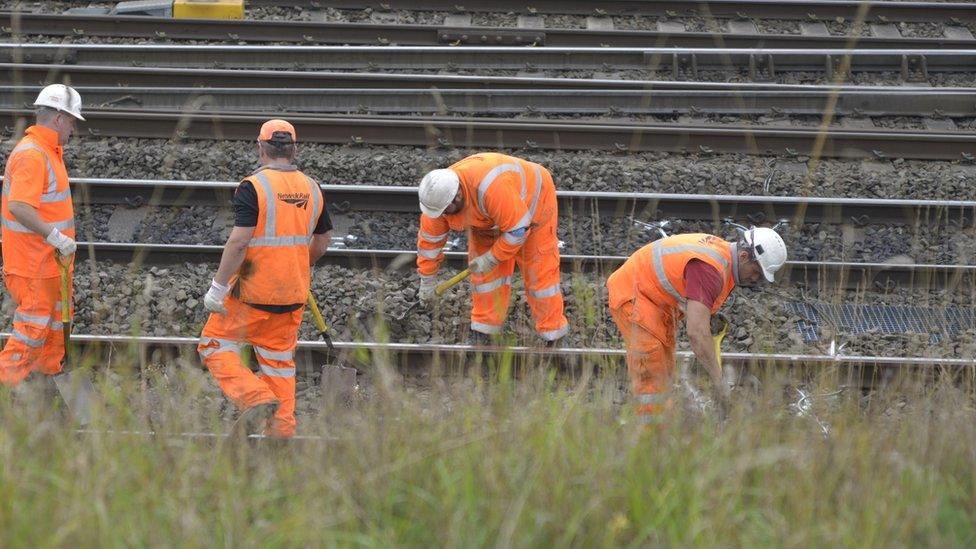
(245, 203)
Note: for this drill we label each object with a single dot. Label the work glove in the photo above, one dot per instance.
(426, 292)
(483, 263)
(65, 244)
(214, 300)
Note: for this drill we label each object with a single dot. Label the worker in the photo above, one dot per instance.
(281, 228)
(508, 206)
(688, 275)
(38, 222)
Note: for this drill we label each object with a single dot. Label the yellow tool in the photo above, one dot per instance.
(208, 9)
(320, 321)
(720, 327)
(447, 284)
(74, 385)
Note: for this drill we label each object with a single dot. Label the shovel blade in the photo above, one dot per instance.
(78, 393)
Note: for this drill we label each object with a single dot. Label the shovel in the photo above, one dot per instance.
(74, 385)
(439, 291)
(338, 382)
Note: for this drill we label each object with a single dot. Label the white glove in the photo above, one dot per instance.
(65, 244)
(214, 300)
(483, 263)
(427, 286)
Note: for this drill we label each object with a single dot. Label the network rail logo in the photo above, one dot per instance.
(299, 200)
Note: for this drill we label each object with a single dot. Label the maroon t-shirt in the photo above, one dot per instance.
(703, 283)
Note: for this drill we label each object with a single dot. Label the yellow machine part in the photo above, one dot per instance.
(208, 9)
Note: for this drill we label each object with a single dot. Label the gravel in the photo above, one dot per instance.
(572, 170)
(155, 301)
(586, 235)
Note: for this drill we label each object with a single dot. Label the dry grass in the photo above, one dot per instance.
(488, 461)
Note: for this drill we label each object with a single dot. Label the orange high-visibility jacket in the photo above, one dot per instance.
(656, 271)
(35, 174)
(276, 267)
(501, 193)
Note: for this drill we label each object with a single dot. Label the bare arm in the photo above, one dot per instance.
(319, 245)
(27, 215)
(697, 321)
(233, 255)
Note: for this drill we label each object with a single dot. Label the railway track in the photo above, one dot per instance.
(477, 133)
(720, 100)
(16, 25)
(645, 206)
(735, 9)
(758, 63)
(812, 274)
(422, 356)
(21, 74)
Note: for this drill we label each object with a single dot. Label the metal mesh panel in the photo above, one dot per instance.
(854, 319)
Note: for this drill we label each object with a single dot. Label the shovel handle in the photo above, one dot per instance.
(450, 282)
(63, 269)
(717, 338)
(320, 321)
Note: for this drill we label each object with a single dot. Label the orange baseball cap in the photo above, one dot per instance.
(274, 130)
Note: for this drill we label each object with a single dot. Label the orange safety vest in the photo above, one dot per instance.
(26, 253)
(276, 267)
(656, 271)
(504, 197)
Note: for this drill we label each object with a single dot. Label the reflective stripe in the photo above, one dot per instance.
(433, 238)
(430, 254)
(546, 292)
(485, 328)
(277, 372)
(490, 177)
(52, 179)
(278, 241)
(271, 208)
(56, 197)
(31, 342)
(18, 228)
(56, 325)
(491, 286)
(274, 355)
(652, 398)
(553, 335)
(660, 251)
(36, 320)
(226, 345)
(316, 206)
(735, 263)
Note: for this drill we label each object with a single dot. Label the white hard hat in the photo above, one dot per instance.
(60, 97)
(437, 190)
(768, 248)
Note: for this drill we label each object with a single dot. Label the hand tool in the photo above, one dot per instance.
(320, 321)
(74, 385)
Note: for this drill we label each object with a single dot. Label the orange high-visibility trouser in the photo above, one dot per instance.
(650, 361)
(538, 261)
(273, 338)
(37, 340)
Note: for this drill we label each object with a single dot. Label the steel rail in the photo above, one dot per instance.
(19, 74)
(732, 9)
(813, 274)
(644, 206)
(420, 356)
(758, 62)
(16, 25)
(479, 133)
(890, 101)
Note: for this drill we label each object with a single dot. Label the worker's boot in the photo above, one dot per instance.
(254, 420)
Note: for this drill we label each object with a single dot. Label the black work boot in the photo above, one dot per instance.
(254, 420)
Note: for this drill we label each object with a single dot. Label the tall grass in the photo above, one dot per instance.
(495, 460)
